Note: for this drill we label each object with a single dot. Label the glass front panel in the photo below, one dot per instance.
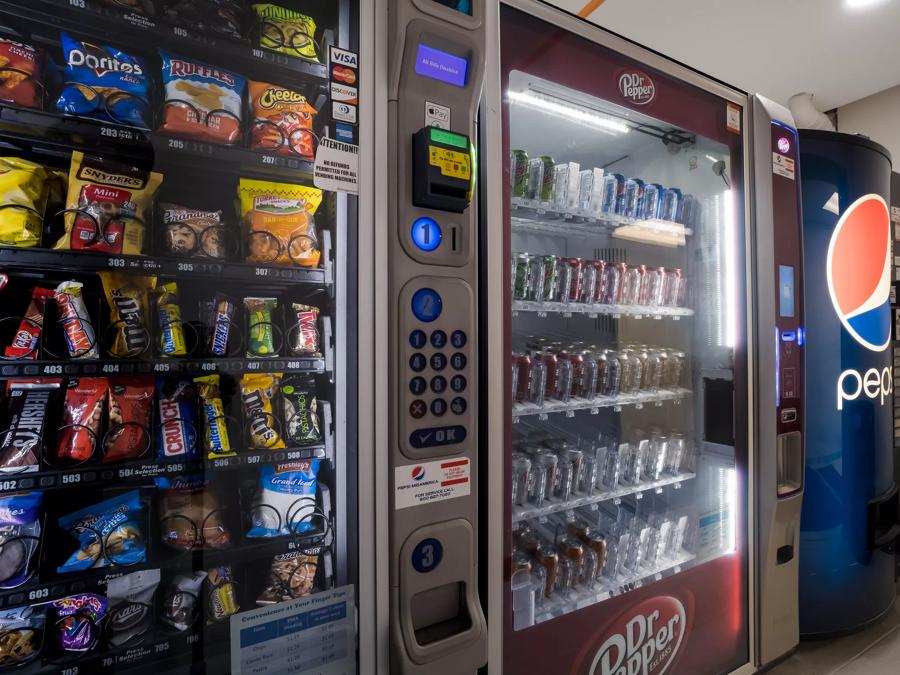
(174, 336)
(626, 296)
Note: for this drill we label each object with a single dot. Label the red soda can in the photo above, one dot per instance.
(522, 363)
(654, 286)
(577, 361)
(633, 284)
(550, 365)
(572, 291)
(589, 281)
(673, 295)
(611, 286)
(599, 270)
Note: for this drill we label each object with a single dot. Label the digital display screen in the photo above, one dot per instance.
(438, 65)
(786, 290)
(464, 6)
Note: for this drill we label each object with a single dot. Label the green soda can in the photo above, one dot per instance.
(521, 275)
(518, 172)
(551, 277)
(548, 178)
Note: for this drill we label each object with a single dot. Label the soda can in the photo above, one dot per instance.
(650, 207)
(544, 470)
(613, 194)
(564, 379)
(611, 283)
(610, 374)
(551, 278)
(538, 381)
(630, 378)
(652, 372)
(690, 211)
(673, 294)
(590, 470)
(560, 186)
(522, 363)
(676, 448)
(548, 178)
(515, 378)
(518, 172)
(599, 270)
(589, 374)
(577, 361)
(675, 370)
(633, 199)
(632, 284)
(521, 275)
(571, 461)
(609, 474)
(521, 470)
(655, 281)
(536, 279)
(589, 280)
(670, 208)
(535, 182)
(571, 292)
(551, 367)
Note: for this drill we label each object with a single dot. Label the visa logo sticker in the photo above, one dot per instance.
(343, 132)
(343, 57)
(344, 94)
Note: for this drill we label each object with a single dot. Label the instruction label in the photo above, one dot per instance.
(337, 166)
(783, 166)
(417, 484)
(450, 162)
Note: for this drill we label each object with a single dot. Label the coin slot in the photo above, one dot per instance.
(454, 238)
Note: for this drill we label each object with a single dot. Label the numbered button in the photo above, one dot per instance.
(438, 407)
(458, 339)
(427, 555)
(438, 362)
(438, 384)
(417, 386)
(417, 362)
(417, 339)
(418, 409)
(458, 361)
(458, 405)
(438, 339)
(426, 304)
(458, 383)
(426, 234)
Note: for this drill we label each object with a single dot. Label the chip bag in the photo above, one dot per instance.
(202, 102)
(224, 17)
(107, 533)
(287, 31)
(23, 199)
(291, 576)
(107, 206)
(258, 393)
(20, 74)
(104, 83)
(215, 427)
(278, 222)
(129, 306)
(282, 121)
(287, 499)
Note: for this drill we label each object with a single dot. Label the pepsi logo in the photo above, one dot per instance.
(637, 87)
(417, 473)
(859, 271)
(784, 145)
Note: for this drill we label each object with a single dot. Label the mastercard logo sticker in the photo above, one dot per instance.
(342, 74)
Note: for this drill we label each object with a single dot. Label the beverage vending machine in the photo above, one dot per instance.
(644, 244)
(179, 473)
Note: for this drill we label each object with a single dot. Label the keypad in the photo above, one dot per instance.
(458, 405)
(418, 409)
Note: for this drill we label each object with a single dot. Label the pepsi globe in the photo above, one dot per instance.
(846, 575)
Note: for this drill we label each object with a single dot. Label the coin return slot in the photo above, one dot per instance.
(789, 458)
(440, 613)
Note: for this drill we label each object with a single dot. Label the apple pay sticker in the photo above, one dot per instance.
(437, 115)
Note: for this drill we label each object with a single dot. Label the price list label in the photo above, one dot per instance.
(315, 634)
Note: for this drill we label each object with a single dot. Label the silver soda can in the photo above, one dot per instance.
(652, 372)
(538, 382)
(611, 283)
(551, 278)
(632, 284)
(566, 280)
(565, 374)
(652, 201)
(590, 371)
(609, 472)
(630, 378)
(521, 471)
(560, 186)
(536, 279)
(675, 370)
(656, 457)
(654, 287)
(673, 293)
(590, 468)
(674, 454)
(544, 471)
(589, 281)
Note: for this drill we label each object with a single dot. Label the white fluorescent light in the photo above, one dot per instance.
(570, 112)
(862, 4)
(711, 159)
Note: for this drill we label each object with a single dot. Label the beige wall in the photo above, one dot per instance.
(878, 117)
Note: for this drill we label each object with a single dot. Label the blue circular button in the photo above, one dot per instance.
(427, 554)
(426, 234)
(426, 304)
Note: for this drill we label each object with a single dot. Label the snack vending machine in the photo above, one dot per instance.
(634, 513)
(178, 279)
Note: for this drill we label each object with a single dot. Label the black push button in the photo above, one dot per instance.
(438, 361)
(438, 407)
(436, 436)
(418, 409)
(438, 384)
(458, 361)
(458, 339)
(417, 386)
(438, 339)
(417, 362)
(417, 339)
(458, 383)
(458, 405)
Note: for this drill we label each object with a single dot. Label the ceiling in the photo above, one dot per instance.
(773, 47)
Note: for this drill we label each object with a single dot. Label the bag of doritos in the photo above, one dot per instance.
(282, 121)
(129, 307)
(104, 83)
(20, 74)
(287, 31)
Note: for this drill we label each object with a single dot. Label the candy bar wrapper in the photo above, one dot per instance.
(129, 303)
(221, 598)
(131, 605)
(20, 520)
(107, 533)
(258, 393)
(260, 329)
(304, 335)
(26, 340)
(28, 403)
(215, 428)
(181, 603)
(82, 415)
(130, 413)
(220, 323)
(291, 576)
(81, 338)
(78, 624)
(301, 411)
(171, 328)
(23, 630)
(177, 432)
(288, 494)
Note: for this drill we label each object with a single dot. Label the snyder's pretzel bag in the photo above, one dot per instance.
(129, 307)
(104, 83)
(278, 222)
(130, 410)
(282, 121)
(20, 74)
(202, 102)
(108, 206)
(79, 435)
(287, 31)
(23, 198)
(193, 232)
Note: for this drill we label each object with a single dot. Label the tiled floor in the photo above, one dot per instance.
(874, 651)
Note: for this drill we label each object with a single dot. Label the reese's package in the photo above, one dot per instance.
(104, 83)
(278, 222)
(21, 74)
(81, 339)
(129, 309)
(283, 121)
(215, 427)
(171, 328)
(258, 395)
(287, 31)
(177, 431)
(194, 232)
(23, 198)
(108, 206)
(203, 102)
(79, 434)
(28, 405)
(28, 337)
(130, 412)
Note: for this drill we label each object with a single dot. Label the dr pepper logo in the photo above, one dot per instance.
(636, 87)
(644, 640)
